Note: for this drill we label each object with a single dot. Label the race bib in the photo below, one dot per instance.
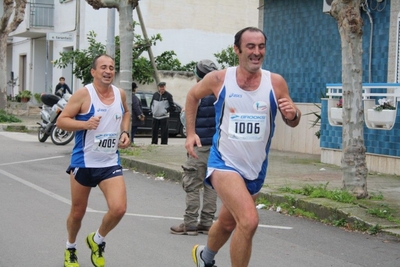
(247, 127)
(106, 142)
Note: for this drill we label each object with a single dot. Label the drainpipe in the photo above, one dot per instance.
(77, 34)
(366, 9)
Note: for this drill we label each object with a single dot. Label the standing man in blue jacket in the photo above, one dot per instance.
(161, 105)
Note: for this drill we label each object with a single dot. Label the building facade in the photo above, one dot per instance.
(304, 46)
(193, 29)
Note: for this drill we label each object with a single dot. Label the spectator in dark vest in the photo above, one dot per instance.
(137, 113)
(194, 170)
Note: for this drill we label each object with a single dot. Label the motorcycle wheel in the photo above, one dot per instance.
(42, 136)
(61, 137)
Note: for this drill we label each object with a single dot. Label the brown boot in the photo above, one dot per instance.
(203, 229)
(182, 229)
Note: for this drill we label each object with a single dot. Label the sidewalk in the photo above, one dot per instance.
(286, 169)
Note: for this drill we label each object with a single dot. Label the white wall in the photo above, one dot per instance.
(177, 83)
(196, 29)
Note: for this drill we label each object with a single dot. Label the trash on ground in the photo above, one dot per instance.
(260, 206)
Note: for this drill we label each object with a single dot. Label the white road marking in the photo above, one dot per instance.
(275, 227)
(68, 202)
(31, 160)
(38, 188)
(180, 218)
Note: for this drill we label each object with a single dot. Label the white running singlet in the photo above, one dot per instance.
(99, 148)
(245, 126)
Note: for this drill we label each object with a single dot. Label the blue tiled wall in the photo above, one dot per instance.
(304, 46)
(384, 142)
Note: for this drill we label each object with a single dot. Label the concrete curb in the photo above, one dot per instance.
(324, 209)
(16, 127)
(144, 167)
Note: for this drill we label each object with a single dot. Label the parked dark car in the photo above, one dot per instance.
(175, 126)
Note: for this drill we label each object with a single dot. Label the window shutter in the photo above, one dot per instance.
(397, 74)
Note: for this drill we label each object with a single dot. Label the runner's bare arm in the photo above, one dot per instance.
(290, 113)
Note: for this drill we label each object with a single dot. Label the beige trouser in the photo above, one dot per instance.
(194, 172)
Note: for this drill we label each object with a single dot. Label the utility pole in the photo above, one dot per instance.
(110, 49)
(153, 64)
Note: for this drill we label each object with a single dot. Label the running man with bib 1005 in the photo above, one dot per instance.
(100, 116)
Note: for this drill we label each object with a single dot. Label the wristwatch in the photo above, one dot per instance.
(295, 116)
(127, 133)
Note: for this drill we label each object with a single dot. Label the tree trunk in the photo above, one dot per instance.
(347, 14)
(125, 9)
(3, 70)
(16, 8)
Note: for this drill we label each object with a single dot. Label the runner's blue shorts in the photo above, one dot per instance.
(93, 176)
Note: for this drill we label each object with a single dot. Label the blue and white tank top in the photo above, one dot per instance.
(245, 126)
(99, 148)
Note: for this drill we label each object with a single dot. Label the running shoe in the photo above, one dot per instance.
(70, 258)
(196, 254)
(97, 251)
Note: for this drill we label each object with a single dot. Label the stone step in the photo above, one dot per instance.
(23, 109)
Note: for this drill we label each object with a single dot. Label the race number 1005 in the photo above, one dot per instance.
(107, 143)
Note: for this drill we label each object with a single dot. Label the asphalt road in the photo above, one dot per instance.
(35, 200)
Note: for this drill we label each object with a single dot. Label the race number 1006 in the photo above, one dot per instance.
(247, 127)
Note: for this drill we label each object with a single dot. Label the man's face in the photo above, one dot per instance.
(161, 89)
(252, 52)
(62, 81)
(105, 71)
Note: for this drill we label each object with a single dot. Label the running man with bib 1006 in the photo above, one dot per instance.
(248, 101)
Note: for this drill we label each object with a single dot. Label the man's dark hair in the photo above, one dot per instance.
(94, 62)
(61, 78)
(238, 36)
(134, 86)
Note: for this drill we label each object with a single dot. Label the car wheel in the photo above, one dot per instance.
(182, 131)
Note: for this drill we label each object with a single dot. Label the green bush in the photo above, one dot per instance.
(5, 117)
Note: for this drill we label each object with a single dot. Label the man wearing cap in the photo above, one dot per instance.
(194, 170)
(161, 105)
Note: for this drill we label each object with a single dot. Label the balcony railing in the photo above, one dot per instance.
(369, 90)
(41, 15)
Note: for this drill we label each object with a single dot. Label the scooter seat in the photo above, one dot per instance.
(49, 99)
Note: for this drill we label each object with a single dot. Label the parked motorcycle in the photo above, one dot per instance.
(52, 107)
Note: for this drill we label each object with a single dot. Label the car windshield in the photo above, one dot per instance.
(148, 98)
